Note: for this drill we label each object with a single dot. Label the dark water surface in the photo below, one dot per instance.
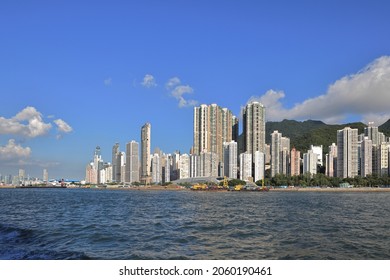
(112, 224)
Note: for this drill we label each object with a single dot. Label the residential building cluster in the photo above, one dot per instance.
(23, 179)
(220, 151)
(355, 154)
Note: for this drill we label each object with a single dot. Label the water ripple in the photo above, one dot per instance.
(93, 224)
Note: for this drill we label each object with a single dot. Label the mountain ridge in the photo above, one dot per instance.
(302, 134)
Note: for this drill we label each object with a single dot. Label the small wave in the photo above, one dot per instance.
(20, 244)
(54, 255)
(22, 254)
(10, 234)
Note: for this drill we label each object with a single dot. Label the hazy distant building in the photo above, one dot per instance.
(230, 159)
(166, 168)
(45, 176)
(119, 162)
(213, 126)
(145, 153)
(8, 179)
(22, 175)
(246, 166)
(98, 163)
(121, 167)
(295, 162)
(102, 176)
(259, 166)
(254, 127)
(156, 169)
(347, 153)
(92, 170)
(132, 162)
(90, 174)
(105, 174)
(310, 160)
(115, 170)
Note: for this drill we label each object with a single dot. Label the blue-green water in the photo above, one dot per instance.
(113, 224)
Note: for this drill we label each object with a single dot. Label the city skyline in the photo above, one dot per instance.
(79, 76)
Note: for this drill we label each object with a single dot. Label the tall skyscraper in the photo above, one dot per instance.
(145, 153)
(254, 128)
(230, 159)
(317, 150)
(331, 161)
(166, 164)
(366, 157)
(97, 163)
(285, 156)
(213, 126)
(310, 160)
(115, 152)
(156, 168)
(91, 173)
(295, 162)
(276, 144)
(105, 173)
(259, 171)
(347, 152)
(280, 154)
(383, 159)
(184, 166)
(122, 164)
(194, 166)
(246, 166)
(373, 134)
(132, 162)
(208, 164)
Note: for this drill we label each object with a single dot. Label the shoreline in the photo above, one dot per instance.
(180, 188)
(309, 189)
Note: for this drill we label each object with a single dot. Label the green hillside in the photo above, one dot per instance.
(385, 128)
(306, 133)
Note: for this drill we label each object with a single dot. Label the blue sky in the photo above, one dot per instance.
(77, 74)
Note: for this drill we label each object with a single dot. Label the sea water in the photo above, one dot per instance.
(122, 224)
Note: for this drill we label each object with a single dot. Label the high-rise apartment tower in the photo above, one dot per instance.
(145, 153)
(254, 128)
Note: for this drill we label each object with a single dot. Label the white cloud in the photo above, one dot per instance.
(149, 81)
(271, 100)
(108, 81)
(178, 91)
(62, 126)
(27, 123)
(13, 151)
(172, 83)
(366, 93)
